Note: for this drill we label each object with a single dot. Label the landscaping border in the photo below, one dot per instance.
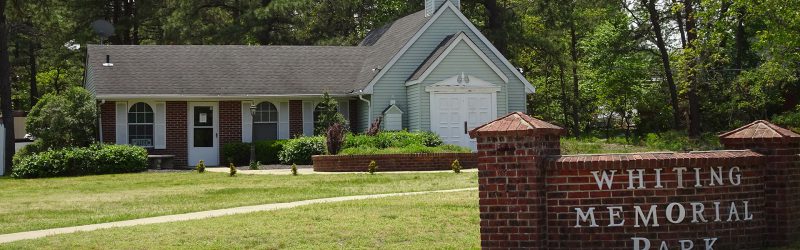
(393, 162)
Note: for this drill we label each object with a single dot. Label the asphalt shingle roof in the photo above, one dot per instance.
(241, 70)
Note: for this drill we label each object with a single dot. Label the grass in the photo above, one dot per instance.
(33, 204)
(431, 221)
(666, 141)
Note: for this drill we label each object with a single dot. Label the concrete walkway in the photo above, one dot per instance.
(302, 171)
(5, 238)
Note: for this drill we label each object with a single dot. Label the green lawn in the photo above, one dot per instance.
(431, 221)
(58, 202)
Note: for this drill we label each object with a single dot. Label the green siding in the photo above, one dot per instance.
(392, 85)
(363, 115)
(461, 59)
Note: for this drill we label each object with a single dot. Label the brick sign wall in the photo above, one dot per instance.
(532, 197)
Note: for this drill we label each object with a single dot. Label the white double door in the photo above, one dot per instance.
(454, 115)
(203, 127)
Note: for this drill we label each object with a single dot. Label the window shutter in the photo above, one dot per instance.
(308, 118)
(160, 126)
(122, 123)
(283, 120)
(247, 122)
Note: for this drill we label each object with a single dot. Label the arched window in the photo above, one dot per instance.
(265, 122)
(140, 125)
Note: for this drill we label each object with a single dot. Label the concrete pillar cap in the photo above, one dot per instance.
(517, 123)
(760, 130)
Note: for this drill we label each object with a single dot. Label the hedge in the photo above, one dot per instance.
(239, 152)
(95, 159)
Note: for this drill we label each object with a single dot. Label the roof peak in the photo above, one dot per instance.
(516, 123)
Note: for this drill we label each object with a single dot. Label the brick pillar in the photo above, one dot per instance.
(781, 148)
(108, 122)
(295, 118)
(511, 152)
(230, 125)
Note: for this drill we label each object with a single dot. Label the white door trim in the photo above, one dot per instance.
(210, 155)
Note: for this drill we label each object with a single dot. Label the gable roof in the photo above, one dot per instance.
(448, 5)
(445, 47)
(145, 71)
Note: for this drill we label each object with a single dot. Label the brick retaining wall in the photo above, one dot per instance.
(532, 197)
(392, 162)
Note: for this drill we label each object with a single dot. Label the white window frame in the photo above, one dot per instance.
(153, 124)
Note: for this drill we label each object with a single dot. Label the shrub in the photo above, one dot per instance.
(300, 150)
(201, 167)
(456, 166)
(96, 159)
(254, 165)
(373, 166)
(64, 120)
(790, 119)
(232, 169)
(413, 149)
(294, 169)
(36, 147)
(237, 153)
(430, 139)
(267, 151)
(334, 138)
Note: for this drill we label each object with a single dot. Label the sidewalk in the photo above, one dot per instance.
(5, 238)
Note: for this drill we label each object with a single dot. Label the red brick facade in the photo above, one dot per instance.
(176, 133)
(108, 122)
(392, 162)
(230, 124)
(295, 118)
(532, 197)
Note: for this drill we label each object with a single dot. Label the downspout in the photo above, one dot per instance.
(369, 108)
(100, 121)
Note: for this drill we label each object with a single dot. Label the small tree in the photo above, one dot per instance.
(335, 138)
(294, 169)
(232, 168)
(201, 166)
(373, 167)
(64, 120)
(456, 166)
(375, 127)
(328, 115)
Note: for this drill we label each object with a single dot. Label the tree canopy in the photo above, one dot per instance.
(598, 66)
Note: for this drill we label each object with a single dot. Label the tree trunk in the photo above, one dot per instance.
(740, 37)
(694, 102)
(681, 31)
(495, 25)
(32, 61)
(563, 95)
(5, 90)
(662, 49)
(576, 94)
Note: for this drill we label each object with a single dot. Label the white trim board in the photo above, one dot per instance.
(448, 5)
(462, 37)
